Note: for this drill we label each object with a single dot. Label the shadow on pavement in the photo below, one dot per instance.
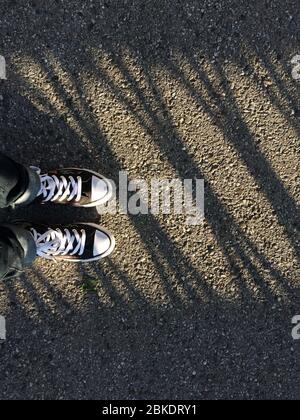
(203, 313)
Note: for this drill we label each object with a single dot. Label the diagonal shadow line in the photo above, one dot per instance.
(166, 240)
(18, 310)
(178, 263)
(64, 95)
(214, 201)
(42, 308)
(154, 224)
(25, 86)
(235, 111)
(115, 90)
(106, 283)
(51, 291)
(257, 164)
(91, 127)
(265, 263)
(268, 180)
(138, 296)
(274, 98)
(258, 50)
(141, 227)
(217, 205)
(166, 245)
(282, 88)
(45, 101)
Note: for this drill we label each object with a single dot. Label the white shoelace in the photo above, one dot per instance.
(57, 242)
(55, 188)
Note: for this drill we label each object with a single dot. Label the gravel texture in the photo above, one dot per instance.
(166, 89)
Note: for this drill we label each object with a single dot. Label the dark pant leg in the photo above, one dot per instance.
(13, 181)
(17, 250)
(16, 181)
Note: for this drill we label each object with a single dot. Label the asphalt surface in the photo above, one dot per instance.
(161, 89)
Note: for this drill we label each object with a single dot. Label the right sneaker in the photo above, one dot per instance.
(80, 242)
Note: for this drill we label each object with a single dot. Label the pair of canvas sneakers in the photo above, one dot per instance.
(79, 242)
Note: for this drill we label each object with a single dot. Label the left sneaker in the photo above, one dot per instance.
(80, 242)
(74, 186)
